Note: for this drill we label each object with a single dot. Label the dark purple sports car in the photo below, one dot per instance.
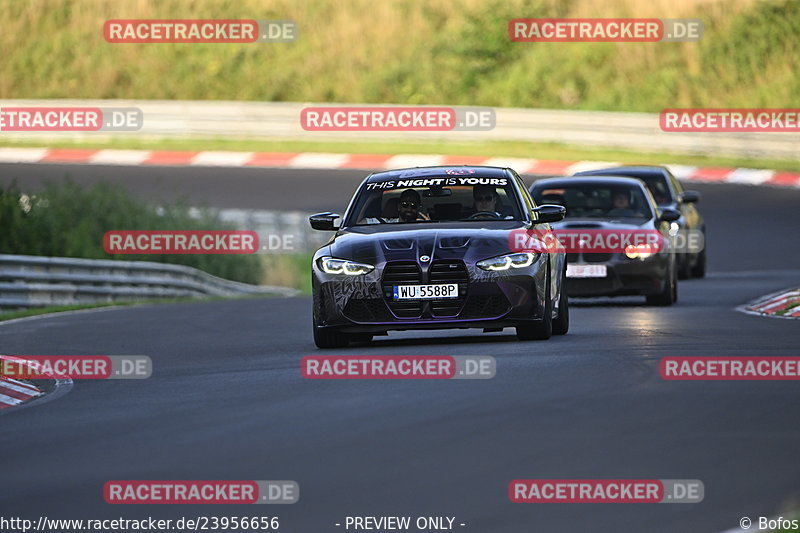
(431, 248)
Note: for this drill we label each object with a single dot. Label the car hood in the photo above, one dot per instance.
(408, 242)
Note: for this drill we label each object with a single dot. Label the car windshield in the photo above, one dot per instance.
(435, 199)
(658, 188)
(596, 201)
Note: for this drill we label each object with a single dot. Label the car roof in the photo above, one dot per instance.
(651, 170)
(447, 170)
(580, 180)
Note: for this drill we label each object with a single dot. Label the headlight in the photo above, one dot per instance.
(504, 262)
(674, 227)
(642, 251)
(329, 265)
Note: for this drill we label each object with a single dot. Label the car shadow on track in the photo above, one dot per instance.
(632, 301)
(505, 337)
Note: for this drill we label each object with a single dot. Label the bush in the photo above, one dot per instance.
(70, 221)
(439, 52)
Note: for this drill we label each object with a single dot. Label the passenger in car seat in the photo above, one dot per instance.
(391, 209)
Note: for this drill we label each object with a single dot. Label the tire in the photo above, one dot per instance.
(685, 269)
(539, 331)
(699, 269)
(561, 323)
(326, 338)
(669, 294)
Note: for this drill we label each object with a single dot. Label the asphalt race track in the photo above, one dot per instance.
(227, 401)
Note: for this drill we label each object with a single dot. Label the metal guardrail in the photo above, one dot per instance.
(270, 120)
(276, 223)
(28, 281)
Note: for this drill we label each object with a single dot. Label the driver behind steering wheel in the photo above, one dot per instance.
(407, 210)
(485, 198)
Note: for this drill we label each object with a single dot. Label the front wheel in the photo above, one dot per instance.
(330, 338)
(539, 331)
(669, 294)
(699, 268)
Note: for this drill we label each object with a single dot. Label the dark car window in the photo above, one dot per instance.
(596, 201)
(676, 185)
(447, 198)
(659, 188)
(657, 182)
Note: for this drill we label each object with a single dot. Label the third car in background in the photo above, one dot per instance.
(668, 193)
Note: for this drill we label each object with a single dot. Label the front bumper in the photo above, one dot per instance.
(486, 299)
(624, 276)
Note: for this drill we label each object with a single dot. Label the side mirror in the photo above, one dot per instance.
(669, 215)
(548, 213)
(690, 197)
(325, 221)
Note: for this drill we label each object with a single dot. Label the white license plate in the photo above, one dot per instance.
(426, 292)
(586, 271)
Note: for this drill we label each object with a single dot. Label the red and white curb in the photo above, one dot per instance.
(14, 392)
(313, 160)
(775, 304)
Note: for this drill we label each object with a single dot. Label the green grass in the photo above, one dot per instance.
(288, 270)
(789, 310)
(395, 51)
(486, 148)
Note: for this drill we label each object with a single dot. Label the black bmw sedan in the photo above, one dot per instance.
(432, 248)
(615, 236)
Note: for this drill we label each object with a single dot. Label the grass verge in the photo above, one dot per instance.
(438, 51)
(288, 270)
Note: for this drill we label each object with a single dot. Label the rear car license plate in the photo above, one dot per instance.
(426, 292)
(586, 271)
